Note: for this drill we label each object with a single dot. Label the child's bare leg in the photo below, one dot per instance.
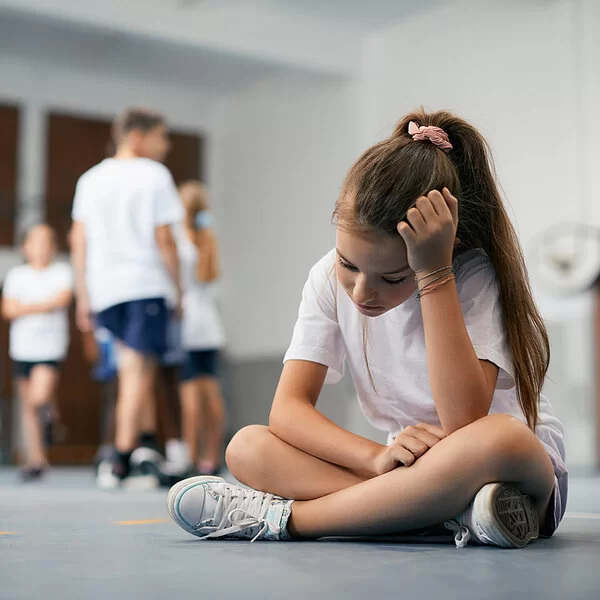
(42, 385)
(191, 416)
(438, 486)
(261, 460)
(148, 418)
(214, 420)
(35, 455)
(136, 377)
(167, 401)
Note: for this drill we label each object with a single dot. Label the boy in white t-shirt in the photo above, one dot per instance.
(125, 262)
(35, 300)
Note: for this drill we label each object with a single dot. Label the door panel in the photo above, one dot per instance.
(9, 128)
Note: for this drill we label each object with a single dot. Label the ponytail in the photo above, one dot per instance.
(484, 223)
(194, 197)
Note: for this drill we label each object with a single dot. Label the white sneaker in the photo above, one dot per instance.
(177, 455)
(499, 515)
(143, 455)
(210, 507)
(105, 478)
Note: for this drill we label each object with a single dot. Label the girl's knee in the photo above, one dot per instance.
(246, 447)
(506, 439)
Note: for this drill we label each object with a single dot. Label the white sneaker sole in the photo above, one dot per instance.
(176, 493)
(512, 520)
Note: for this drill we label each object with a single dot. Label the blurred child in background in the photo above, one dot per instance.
(36, 296)
(202, 407)
(125, 261)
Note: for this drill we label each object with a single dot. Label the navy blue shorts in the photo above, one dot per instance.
(23, 368)
(200, 363)
(139, 324)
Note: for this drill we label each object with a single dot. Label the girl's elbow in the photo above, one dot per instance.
(451, 425)
(275, 420)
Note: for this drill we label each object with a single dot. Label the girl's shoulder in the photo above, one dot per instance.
(320, 289)
(16, 278)
(475, 275)
(18, 271)
(322, 273)
(472, 262)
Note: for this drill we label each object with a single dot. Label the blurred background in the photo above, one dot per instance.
(269, 103)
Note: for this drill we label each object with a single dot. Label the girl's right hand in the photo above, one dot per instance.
(407, 447)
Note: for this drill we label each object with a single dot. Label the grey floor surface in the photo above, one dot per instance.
(64, 539)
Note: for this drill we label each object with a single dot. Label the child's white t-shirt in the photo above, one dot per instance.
(42, 336)
(201, 327)
(329, 331)
(120, 203)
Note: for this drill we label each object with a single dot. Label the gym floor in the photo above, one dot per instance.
(62, 538)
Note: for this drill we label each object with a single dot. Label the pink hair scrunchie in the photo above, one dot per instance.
(436, 135)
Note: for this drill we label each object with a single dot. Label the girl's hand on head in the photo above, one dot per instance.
(430, 232)
(407, 447)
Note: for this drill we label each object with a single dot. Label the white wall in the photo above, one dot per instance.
(288, 145)
(38, 88)
(525, 73)
(277, 152)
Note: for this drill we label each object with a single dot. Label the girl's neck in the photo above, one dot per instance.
(38, 265)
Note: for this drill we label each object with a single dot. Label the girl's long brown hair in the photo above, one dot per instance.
(384, 184)
(194, 197)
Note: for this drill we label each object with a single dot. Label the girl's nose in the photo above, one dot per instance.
(362, 293)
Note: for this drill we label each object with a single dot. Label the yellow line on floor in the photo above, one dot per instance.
(142, 522)
(7, 532)
(574, 515)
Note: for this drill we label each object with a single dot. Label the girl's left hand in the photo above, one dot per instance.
(431, 234)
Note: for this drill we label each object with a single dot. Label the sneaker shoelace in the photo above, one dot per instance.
(462, 535)
(466, 528)
(240, 511)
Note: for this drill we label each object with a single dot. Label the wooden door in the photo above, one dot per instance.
(9, 130)
(9, 127)
(74, 145)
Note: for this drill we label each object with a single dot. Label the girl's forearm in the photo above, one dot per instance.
(458, 383)
(18, 309)
(300, 424)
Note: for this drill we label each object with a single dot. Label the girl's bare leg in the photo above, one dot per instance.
(35, 455)
(42, 385)
(191, 416)
(214, 420)
(438, 486)
(259, 459)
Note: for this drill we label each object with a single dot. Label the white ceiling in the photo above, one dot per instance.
(81, 47)
(317, 35)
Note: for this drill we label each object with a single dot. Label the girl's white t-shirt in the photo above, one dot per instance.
(42, 336)
(201, 326)
(329, 331)
(121, 203)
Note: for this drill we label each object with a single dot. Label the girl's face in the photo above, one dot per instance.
(40, 246)
(374, 271)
